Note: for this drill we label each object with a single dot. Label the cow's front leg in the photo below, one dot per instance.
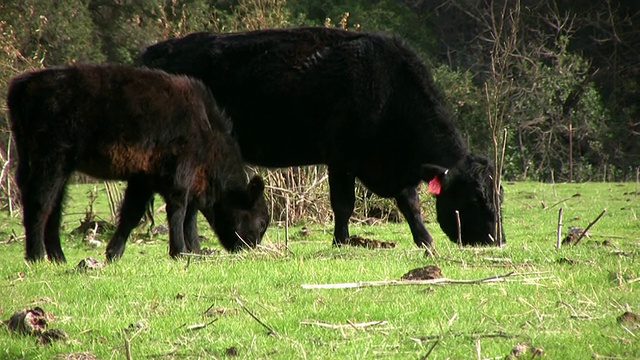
(342, 195)
(409, 204)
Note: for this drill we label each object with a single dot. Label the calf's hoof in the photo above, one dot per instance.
(177, 254)
(114, 253)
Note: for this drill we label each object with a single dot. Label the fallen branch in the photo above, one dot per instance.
(342, 326)
(435, 343)
(559, 230)
(269, 328)
(362, 284)
(584, 232)
(474, 335)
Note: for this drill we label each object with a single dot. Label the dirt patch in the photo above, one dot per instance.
(97, 226)
(428, 272)
(35, 322)
(629, 318)
(209, 251)
(77, 356)
(357, 240)
(89, 264)
(522, 351)
(232, 351)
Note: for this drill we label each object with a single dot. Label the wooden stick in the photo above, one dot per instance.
(342, 326)
(475, 335)
(286, 222)
(459, 228)
(559, 232)
(269, 328)
(426, 356)
(127, 348)
(363, 284)
(589, 227)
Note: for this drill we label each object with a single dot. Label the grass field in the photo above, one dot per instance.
(558, 303)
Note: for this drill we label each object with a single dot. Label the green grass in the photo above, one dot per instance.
(568, 308)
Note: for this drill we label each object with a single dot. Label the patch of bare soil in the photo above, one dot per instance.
(209, 251)
(89, 264)
(573, 234)
(428, 272)
(97, 226)
(232, 351)
(522, 350)
(629, 318)
(77, 356)
(35, 322)
(357, 240)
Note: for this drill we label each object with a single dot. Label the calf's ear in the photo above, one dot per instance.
(255, 188)
(433, 175)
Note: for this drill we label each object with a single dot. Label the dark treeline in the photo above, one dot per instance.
(557, 72)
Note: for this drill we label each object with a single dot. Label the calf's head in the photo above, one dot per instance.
(469, 189)
(241, 217)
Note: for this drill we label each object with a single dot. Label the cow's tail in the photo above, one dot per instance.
(16, 102)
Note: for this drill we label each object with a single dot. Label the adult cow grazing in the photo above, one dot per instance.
(363, 104)
(159, 132)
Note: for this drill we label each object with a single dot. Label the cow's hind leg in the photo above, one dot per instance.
(409, 204)
(136, 197)
(342, 194)
(191, 239)
(42, 195)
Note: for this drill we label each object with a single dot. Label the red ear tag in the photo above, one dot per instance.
(434, 186)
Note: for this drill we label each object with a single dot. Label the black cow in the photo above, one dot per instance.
(363, 104)
(159, 132)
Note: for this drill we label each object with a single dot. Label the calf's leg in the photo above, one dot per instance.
(176, 212)
(136, 197)
(342, 196)
(52, 230)
(42, 199)
(191, 239)
(409, 204)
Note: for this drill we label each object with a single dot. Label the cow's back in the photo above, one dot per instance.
(312, 95)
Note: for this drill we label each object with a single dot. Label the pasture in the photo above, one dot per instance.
(554, 303)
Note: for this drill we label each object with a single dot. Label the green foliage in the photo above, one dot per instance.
(468, 105)
(56, 32)
(549, 96)
(565, 302)
(389, 16)
(255, 15)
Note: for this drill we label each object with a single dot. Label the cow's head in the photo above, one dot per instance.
(241, 217)
(468, 188)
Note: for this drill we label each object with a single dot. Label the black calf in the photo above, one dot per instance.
(160, 133)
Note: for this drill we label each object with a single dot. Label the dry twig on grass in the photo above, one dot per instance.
(269, 328)
(342, 326)
(589, 227)
(439, 281)
(474, 335)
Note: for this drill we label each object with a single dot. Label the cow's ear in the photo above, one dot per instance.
(255, 189)
(433, 175)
